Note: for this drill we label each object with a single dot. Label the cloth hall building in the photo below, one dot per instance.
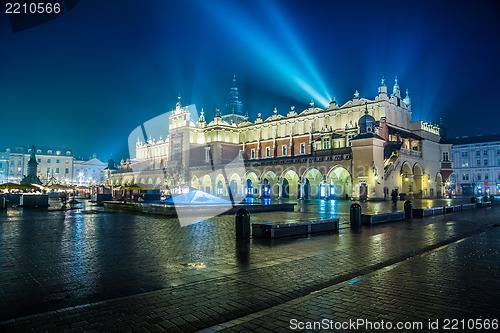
(362, 149)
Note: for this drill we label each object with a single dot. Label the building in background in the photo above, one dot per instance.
(362, 149)
(54, 166)
(476, 163)
(4, 166)
(88, 172)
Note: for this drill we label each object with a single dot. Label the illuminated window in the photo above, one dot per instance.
(302, 148)
(49, 151)
(465, 164)
(58, 152)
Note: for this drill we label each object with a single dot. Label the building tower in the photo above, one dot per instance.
(234, 109)
(368, 160)
(32, 178)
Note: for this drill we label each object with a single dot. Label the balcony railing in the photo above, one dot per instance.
(413, 153)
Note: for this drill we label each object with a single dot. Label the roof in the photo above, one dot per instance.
(475, 139)
(405, 133)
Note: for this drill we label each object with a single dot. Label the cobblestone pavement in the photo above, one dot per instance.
(71, 271)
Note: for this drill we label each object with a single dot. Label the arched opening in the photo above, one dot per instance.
(417, 181)
(206, 184)
(406, 179)
(249, 189)
(269, 184)
(439, 185)
(285, 189)
(195, 183)
(312, 181)
(338, 183)
(251, 184)
(290, 185)
(219, 189)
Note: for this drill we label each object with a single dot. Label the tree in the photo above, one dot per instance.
(175, 175)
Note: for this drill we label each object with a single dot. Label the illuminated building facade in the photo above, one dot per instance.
(476, 163)
(362, 149)
(54, 165)
(4, 166)
(87, 172)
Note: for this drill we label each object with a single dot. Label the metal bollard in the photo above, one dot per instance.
(242, 222)
(408, 209)
(355, 212)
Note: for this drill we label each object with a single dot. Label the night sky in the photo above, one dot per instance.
(86, 79)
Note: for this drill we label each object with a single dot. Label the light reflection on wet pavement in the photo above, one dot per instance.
(56, 259)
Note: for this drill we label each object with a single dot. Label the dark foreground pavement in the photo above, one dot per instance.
(119, 273)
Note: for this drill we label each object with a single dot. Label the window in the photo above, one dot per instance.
(1, 165)
(478, 153)
(58, 152)
(66, 170)
(498, 151)
(68, 153)
(57, 170)
(465, 176)
(326, 143)
(283, 150)
(445, 156)
(268, 151)
(57, 161)
(302, 148)
(39, 160)
(48, 170)
(18, 169)
(48, 160)
(486, 176)
(478, 176)
(465, 164)
(478, 162)
(207, 154)
(252, 153)
(465, 154)
(498, 161)
(485, 153)
(19, 162)
(485, 162)
(49, 151)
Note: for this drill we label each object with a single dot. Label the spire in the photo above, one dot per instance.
(234, 106)
(395, 90)
(178, 104)
(366, 108)
(202, 116)
(407, 99)
(382, 89)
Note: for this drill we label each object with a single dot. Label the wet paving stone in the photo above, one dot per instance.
(129, 269)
